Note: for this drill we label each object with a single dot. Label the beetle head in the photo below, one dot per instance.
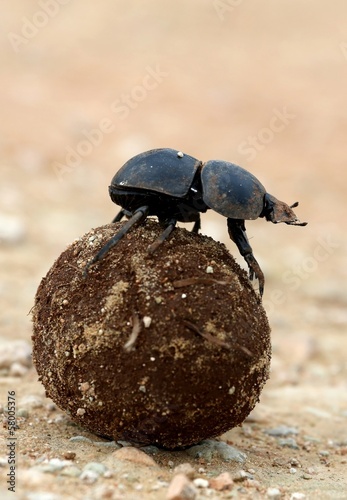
(277, 211)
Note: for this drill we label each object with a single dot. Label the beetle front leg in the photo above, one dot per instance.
(138, 215)
(237, 232)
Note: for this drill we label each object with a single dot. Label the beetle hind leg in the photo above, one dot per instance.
(138, 215)
(170, 226)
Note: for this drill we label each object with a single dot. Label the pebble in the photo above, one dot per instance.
(186, 468)
(200, 482)
(106, 444)
(21, 412)
(15, 356)
(150, 449)
(273, 493)
(134, 455)
(181, 488)
(12, 229)
(211, 448)
(288, 443)
(281, 430)
(297, 496)
(89, 476)
(31, 401)
(77, 439)
(96, 467)
(222, 482)
(229, 453)
(147, 320)
(52, 465)
(18, 370)
(71, 471)
(241, 476)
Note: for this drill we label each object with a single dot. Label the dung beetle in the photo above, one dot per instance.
(177, 187)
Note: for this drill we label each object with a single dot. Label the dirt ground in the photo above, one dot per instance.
(85, 86)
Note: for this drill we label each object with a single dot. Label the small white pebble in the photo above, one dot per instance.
(12, 229)
(292, 470)
(147, 320)
(65, 302)
(209, 269)
(17, 370)
(231, 390)
(101, 331)
(200, 482)
(201, 470)
(184, 295)
(142, 388)
(89, 476)
(180, 154)
(297, 496)
(152, 358)
(273, 493)
(80, 411)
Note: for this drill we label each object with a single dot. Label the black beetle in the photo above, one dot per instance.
(177, 187)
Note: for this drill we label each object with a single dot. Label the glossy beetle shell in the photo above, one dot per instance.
(231, 190)
(160, 170)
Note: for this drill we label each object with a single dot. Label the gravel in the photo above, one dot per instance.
(211, 448)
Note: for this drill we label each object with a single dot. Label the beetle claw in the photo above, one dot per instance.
(255, 272)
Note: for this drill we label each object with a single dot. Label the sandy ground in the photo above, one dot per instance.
(86, 86)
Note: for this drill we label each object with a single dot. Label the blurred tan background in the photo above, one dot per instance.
(85, 85)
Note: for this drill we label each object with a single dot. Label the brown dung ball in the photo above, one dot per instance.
(168, 349)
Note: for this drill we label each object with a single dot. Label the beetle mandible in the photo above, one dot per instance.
(177, 187)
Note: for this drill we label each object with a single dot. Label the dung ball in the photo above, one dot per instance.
(167, 348)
